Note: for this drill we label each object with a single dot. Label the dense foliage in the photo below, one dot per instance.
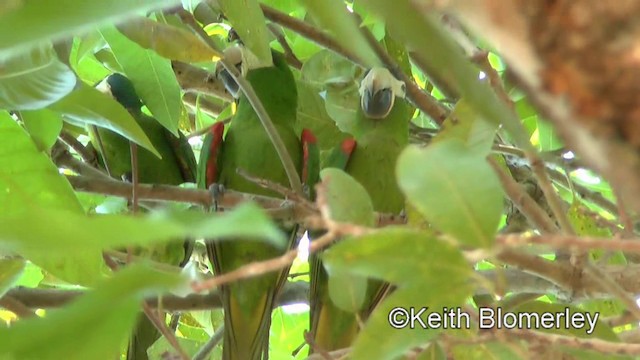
(498, 213)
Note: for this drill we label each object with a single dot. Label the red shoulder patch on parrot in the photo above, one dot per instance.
(217, 131)
(307, 139)
(347, 146)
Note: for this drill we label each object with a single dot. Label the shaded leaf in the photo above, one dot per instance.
(347, 199)
(152, 77)
(44, 127)
(248, 21)
(326, 67)
(109, 312)
(312, 115)
(88, 106)
(168, 41)
(57, 233)
(33, 21)
(342, 105)
(347, 291)
(11, 269)
(465, 124)
(489, 350)
(334, 16)
(34, 79)
(454, 188)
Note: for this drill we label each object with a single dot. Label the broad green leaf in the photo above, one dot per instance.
(312, 115)
(152, 77)
(334, 16)
(94, 326)
(88, 106)
(29, 180)
(347, 291)
(454, 188)
(44, 127)
(34, 79)
(465, 124)
(423, 34)
(31, 276)
(11, 269)
(36, 21)
(398, 255)
(57, 233)
(347, 199)
(287, 329)
(342, 105)
(433, 352)
(326, 67)
(248, 21)
(547, 137)
(168, 41)
(428, 273)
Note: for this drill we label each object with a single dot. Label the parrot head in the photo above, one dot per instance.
(121, 89)
(378, 91)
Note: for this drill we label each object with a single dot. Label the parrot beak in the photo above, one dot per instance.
(378, 91)
(377, 104)
(233, 55)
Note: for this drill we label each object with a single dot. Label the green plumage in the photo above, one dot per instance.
(372, 163)
(177, 166)
(248, 303)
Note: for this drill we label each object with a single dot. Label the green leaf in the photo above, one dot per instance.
(489, 350)
(11, 270)
(465, 124)
(334, 16)
(109, 312)
(326, 67)
(88, 106)
(454, 188)
(347, 199)
(168, 41)
(547, 137)
(398, 255)
(36, 21)
(34, 79)
(152, 77)
(429, 273)
(312, 115)
(44, 126)
(57, 233)
(248, 21)
(347, 291)
(342, 105)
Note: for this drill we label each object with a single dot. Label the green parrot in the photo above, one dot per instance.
(381, 132)
(177, 166)
(248, 303)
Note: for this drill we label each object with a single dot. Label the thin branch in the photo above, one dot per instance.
(252, 97)
(205, 105)
(14, 305)
(207, 348)
(525, 203)
(63, 158)
(87, 156)
(157, 318)
(291, 57)
(34, 298)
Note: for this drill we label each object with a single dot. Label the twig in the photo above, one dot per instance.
(252, 97)
(204, 130)
(559, 241)
(203, 104)
(86, 155)
(316, 349)
(291, 57)
(135, 176)
(273, 186)
(157, 319)
(35, 298)
(608, 284)
(525, 203)
(63, 158)
(15, 306)
(207, 348)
